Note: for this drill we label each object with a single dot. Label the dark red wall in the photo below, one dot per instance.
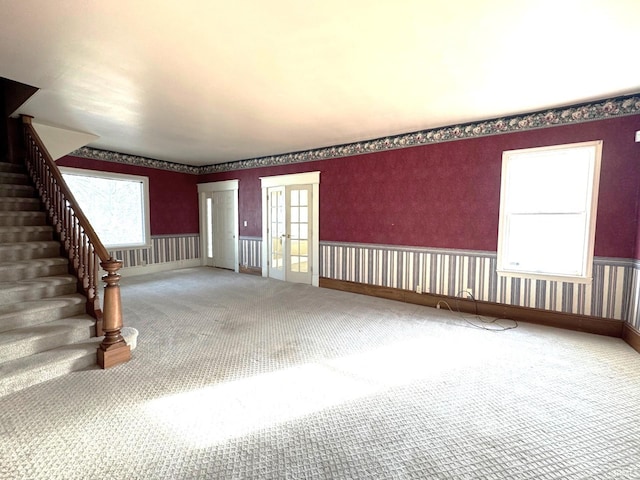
(447, 195)
(173, 196)
(444, 195)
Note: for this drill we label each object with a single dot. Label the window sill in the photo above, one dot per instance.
(545, 277)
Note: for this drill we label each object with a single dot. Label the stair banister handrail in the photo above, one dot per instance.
(98, 246)
(84, 248)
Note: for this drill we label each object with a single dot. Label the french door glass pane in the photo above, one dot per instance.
(304, 231)
(304, 214)
(304, 198)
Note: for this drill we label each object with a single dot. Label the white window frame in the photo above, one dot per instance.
(590, 209)
(121, 176)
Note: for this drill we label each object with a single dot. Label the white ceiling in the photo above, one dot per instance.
(203, 82)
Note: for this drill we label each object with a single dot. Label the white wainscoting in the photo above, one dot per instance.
(613, 293)
(164, 249)
(251, 252)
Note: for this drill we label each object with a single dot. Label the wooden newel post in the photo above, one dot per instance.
(113, 350)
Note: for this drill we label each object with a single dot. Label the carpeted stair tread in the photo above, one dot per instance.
(22, 218)
(44, 329)
(32, 268)
(19, 203)
(25, 233)
(35, 312)
(25, 341)
(36, 288)
(12, 167)
(24, 372)
(25, 251)
(8, 190)
(14, 178)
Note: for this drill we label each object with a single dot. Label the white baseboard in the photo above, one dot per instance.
(159, 267)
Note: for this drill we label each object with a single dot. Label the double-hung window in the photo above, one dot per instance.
(548, 203)
(117, 205)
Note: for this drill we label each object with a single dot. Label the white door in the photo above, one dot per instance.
(220, 229)
(289, 233)
(224, 237)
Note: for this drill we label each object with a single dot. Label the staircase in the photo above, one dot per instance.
(44, 330)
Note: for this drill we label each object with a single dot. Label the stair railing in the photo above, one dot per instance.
(83, 246)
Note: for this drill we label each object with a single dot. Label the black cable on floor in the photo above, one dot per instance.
(484, 322)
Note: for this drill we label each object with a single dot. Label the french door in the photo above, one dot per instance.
(289, 230)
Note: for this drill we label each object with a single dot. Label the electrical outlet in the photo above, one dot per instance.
(419, 289)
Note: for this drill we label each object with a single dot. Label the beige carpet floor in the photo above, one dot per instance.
(239, 377)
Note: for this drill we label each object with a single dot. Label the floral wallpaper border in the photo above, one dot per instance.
(615, 107)
(116, 157)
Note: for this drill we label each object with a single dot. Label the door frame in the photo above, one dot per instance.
(307, 178)
(203, 189)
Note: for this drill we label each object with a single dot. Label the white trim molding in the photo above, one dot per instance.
(305, 178)
(128, 272)
(218, 186)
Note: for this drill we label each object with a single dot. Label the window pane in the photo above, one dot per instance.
(548, 208)
(115, 207)
(550, 181)
(546, 243)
